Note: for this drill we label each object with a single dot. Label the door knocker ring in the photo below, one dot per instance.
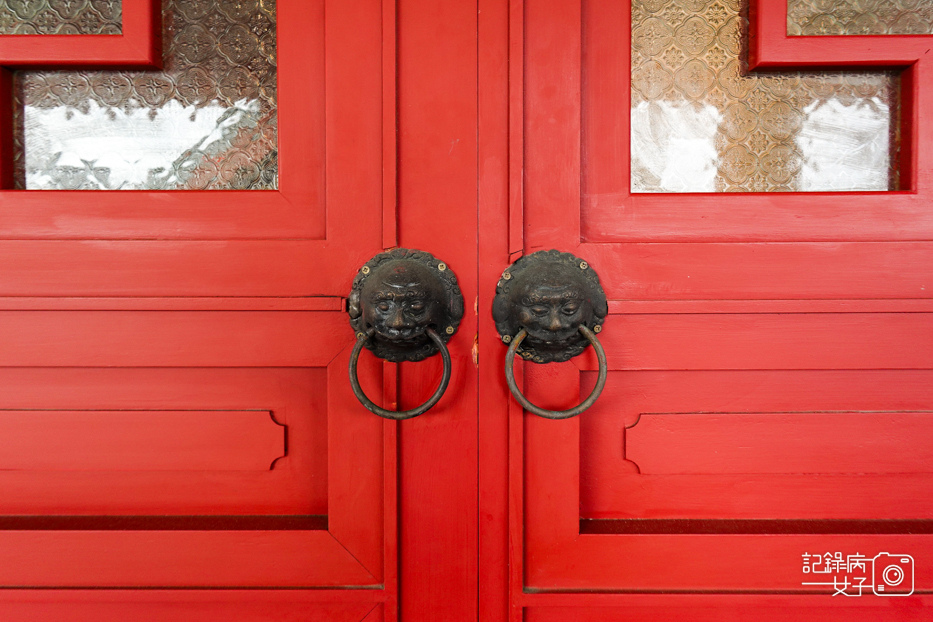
(404, 306)
(548, 307)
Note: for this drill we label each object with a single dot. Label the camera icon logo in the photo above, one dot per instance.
(892, 575)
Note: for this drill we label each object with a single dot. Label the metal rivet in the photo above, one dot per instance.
(597, 328)
(584, 265)
(506, 338)
(365, 269)
(506, 275)
(449, 330)
(360, 335)
(442, 266)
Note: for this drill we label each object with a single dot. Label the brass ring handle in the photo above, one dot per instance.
(405, 414)
(556, 414)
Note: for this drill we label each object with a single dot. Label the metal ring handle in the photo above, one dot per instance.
(405, 414)
(556, 414)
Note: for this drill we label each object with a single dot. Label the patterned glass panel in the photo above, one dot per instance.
(207, 121)
(859, 17)
(60, 17)
(702, 123)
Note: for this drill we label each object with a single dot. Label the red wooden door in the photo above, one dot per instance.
(769, 380)
(179, 435)
(180, 440)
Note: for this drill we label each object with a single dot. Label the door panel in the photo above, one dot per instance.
(324, 494)
(326, 89)
(706, 608)
(297, 210)
(708, 444)
(195, 605)
(176, 304)
(190, 351)
(767, 345)
(81, 442)
(768, 387)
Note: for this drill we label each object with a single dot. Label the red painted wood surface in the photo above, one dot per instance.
(230, 301)
(437, 197)
(610, 212)
(211, 309)
(349, 552)
(330, 70)
(734, 317)
(296, 484)
(140, 440)
(709, 608)
(194, 605)
(476, 131)
(611, 486)
(499, 199)
(138, 44)
(812, 442)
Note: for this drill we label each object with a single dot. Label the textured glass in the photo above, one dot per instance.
(60, 17)
(702, 123)
(207, 121)
(859, 17)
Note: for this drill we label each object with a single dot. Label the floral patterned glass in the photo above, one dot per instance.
(60, 17)
(702, 123)
(859, 17)
(207, 121)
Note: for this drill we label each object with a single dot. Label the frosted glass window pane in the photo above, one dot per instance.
(60, 17)
(702, 123)
(207, 121)
(859, 17)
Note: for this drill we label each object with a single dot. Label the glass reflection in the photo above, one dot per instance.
(843, 147)
(207, 121)
(702, 123)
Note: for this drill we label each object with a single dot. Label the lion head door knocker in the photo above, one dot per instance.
(548, 307)
(404, 306)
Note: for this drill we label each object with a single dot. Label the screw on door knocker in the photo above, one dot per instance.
(404, 305)
(548, 307)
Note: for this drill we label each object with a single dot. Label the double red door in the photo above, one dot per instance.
(180, 438)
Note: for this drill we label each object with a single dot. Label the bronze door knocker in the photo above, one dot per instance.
(548, 307)
(404, 306)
